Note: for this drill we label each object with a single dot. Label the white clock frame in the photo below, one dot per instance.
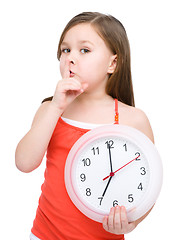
(133, 135)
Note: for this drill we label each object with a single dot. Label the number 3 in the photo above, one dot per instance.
(143, 170)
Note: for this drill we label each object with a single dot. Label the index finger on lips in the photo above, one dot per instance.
(66, 73)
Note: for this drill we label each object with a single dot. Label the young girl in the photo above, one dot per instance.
(95, 67)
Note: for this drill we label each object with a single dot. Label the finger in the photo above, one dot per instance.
(69, 82)
(66, 73)
(111, 219)
(105, 223)
(126, 226)
(124, 219)
(80, 86)
(117, 220)
(72, 87)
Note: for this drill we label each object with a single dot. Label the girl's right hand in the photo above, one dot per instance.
(67, 90)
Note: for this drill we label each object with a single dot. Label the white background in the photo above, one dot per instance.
(29, 71)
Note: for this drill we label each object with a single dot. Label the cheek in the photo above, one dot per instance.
(97, 66)
(100, 60)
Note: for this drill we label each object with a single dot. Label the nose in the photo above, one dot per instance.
(72, 61)
(72, 58)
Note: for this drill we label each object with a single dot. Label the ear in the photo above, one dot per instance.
(112, 64)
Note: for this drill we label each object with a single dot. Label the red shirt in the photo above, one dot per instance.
(57, 218)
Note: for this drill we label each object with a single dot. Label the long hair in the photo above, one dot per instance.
(111, 30)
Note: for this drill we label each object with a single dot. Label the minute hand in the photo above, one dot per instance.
(109, 147)
(112, 173)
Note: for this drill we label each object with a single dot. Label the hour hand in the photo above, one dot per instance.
(106, 186)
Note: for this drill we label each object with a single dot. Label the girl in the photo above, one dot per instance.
(95, 67)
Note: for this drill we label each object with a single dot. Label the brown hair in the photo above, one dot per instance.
(112, 31)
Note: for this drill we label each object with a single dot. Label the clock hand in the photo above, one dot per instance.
(113, 173)
(109, 147)
(107, 186)
(110, 159)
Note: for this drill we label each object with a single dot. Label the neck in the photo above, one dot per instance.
(89, 107)
(93, 97)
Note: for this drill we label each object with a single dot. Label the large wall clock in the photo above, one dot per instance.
(113, 165)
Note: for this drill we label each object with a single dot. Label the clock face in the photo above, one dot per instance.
(110, 166)
(118, 157)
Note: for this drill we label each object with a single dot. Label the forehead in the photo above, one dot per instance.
(83, 32)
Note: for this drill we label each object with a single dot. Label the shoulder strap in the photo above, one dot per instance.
(116, 112)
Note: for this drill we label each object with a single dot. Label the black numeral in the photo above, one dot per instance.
(83, 177)
(115, 203)
(137, 155)
(143, 171)
(125, 145)
(100, 198)
(88, 192)
(95, 150)
(140, 186)
(130, 198)
(110, 143)
(86, 161)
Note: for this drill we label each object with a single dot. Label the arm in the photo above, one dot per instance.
(32, 147)
(117, 221)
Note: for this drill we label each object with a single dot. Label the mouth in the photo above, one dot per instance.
(72, 74)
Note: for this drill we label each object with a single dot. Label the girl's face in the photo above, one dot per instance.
(85, 56)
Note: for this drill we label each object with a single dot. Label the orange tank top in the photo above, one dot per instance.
(57, 218)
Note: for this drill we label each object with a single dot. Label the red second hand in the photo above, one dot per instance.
(113, 173)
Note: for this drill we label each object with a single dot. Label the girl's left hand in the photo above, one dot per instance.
(117, 221)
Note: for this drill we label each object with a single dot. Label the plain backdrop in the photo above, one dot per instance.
(29, 72)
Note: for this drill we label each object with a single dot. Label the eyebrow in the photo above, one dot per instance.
(80, 42)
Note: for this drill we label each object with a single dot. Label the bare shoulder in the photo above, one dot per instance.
(135, 117)
(41, 110)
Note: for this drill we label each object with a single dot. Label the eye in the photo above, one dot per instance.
(84, 50)
(65, 50)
